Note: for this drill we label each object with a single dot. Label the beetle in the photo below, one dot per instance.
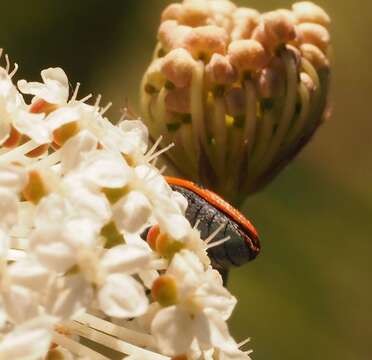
(212, 211)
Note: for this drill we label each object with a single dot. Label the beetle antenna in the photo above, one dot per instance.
(219, 242)
(214, 233)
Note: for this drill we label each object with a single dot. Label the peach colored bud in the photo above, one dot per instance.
(195, 13)
(307, 81)
(314, 55)
(155, 79)
(178, 67)
(308, 12)
(220, 71)
(221, 13)
(164, 290)
(245, 21)
(172, 12)
(314, 34)
(235, 101)
(35, 189)
(247, 55)
(178, 100)
(171, 35)
(204, 41)
(276, 28)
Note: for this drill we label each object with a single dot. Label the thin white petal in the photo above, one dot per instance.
(122, 297)
(173, 330)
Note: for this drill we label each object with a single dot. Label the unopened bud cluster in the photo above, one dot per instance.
(76, 196)
(238, 92)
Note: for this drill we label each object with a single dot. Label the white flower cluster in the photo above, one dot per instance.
(76, 193)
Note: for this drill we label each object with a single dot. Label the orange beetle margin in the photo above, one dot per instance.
(216, 201)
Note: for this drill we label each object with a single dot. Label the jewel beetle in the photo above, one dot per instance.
(211, 212)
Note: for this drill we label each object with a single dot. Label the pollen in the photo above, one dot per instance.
(164, 290)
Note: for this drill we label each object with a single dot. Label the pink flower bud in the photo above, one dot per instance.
(308, 12)
(220, 71)
(314, 34)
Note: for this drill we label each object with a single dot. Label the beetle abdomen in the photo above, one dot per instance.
(238, 250)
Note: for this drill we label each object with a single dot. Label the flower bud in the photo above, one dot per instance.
(245, 21)
(221, 13)
(172, 12)
(195, 13)
(315, 56)
(247, 55)
(171, 35)
(204, 41)
(164, 290)
(177, 67)
(314, 34)
(242, 113)
(220, 71)
(155, 79)
(308, 12)
(276, 28)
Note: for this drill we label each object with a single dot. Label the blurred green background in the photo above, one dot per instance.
(309, 294)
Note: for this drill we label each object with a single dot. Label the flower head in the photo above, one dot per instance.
(239, 92)
(76, 195)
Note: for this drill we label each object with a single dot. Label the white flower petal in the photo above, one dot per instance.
(32, 125)
(55, 87)
(8, 208)
(219, 332)
(176, 225)
(211, 295)
(132, 212)
(67, 296)
(136, 136)
(122, 297)
(62, 116)
(74, 150)
(30, 341)
(125, 259)
(52, 249)
(29, 273)
(4, 131)
(12, 177)
(94, 206)
(173, 330)
(20, 304)
(52, 209)
(105, 169)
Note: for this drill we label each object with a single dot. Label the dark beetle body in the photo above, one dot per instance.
(211, 211)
